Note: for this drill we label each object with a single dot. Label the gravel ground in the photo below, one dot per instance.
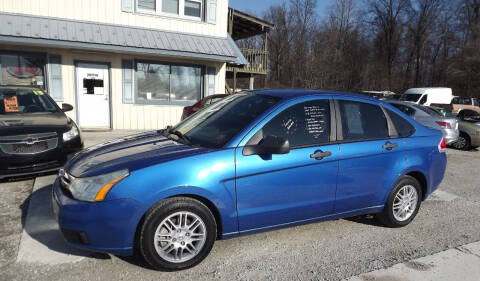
(329, 250)
(13, 204)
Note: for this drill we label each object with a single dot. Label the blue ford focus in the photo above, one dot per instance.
(253, 161)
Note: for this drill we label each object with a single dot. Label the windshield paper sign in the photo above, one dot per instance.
(11, 103)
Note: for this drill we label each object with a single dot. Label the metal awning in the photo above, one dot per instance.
(94, 36)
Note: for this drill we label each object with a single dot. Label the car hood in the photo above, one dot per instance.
(28, 123)
(132, 152)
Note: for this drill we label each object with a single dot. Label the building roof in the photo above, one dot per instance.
(56, 32)
(245, 25)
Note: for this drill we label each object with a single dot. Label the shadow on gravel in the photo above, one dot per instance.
(39, 223)
(137, 260)
(368, 220)
(26, 177)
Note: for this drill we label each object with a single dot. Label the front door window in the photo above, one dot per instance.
(304, 124)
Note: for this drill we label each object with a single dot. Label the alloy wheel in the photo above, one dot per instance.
(460, 143)
(180, 237)
(405, 203)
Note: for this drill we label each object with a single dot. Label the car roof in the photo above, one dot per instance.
(19, 87)
(288, 94)
(216, 96)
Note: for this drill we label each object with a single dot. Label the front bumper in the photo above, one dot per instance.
(107, 226)
(474, 140)
(20, 165)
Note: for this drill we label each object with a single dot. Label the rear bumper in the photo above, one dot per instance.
(437, 171)
(451, 136)
(107, 226)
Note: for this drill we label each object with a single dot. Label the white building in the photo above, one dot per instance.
(122, 64)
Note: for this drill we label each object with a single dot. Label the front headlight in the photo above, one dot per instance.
(67, 136)
(95, 189)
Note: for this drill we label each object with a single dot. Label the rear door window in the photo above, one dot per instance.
(404, 128)
(362, 121)
(303, 124)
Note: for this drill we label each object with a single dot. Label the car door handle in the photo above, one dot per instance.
(319, 155)
(390, 145)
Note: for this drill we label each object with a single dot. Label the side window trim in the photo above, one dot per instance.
(392, 131)
(333, 122)
(338, 121)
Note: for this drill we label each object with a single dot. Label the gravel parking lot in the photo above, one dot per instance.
(330, 250)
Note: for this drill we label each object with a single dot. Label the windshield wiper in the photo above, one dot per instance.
(179, 134)
(175, 135)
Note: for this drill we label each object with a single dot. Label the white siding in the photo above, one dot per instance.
(110, 11)
(124, 116)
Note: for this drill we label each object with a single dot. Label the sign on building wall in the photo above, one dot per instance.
(22, 69)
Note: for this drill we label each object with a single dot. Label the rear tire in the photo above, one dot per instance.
(463, 142)
(177, 233)
(402, 204)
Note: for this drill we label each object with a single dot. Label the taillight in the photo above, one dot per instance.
(442, 146)
(444, 124)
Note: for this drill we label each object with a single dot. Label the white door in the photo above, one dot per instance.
(93, 95)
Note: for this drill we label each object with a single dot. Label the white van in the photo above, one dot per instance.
(428, 96)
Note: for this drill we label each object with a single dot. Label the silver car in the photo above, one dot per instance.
(430, 118)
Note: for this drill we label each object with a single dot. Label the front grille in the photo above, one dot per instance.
(36, 166)
(28, 144)
(20, 138)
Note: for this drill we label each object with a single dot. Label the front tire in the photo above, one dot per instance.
(177, 233)
(402, 204)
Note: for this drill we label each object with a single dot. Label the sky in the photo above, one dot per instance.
(258, 6)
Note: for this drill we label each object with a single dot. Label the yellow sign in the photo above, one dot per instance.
(38, 93)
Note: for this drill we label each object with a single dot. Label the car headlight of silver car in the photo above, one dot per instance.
(94, 189)
(71, 134)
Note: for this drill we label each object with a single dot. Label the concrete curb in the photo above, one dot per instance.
(41, 240)
(461, 263)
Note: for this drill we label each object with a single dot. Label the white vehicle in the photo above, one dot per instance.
(428, 96)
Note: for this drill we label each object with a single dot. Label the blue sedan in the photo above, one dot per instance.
(251, 162)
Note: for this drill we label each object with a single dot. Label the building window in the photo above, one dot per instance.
(170, 6)
(191, 9)
(159, 83)
(23, 69)
(147, 4)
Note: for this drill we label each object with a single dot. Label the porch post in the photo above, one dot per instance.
(265, 48)
(234, 80)
(252, 80)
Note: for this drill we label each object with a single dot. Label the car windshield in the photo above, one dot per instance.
(24, 101)
(410, 97)
(469, 115)
(213, 126)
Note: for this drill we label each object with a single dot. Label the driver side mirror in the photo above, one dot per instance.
(268, 146)
(66, 107)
